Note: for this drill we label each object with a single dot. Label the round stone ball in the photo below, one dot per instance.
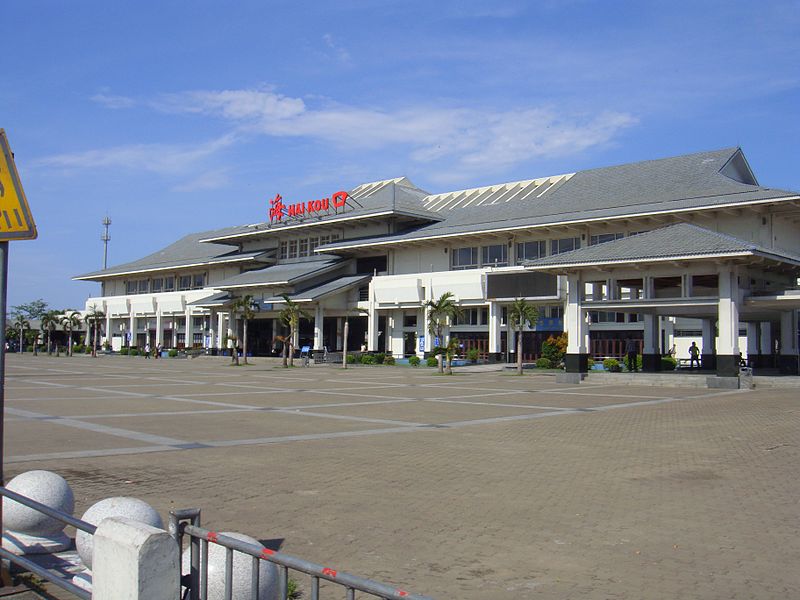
(119, 506)
(45, 487)
(242, 571)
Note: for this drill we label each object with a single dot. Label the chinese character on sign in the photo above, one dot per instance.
(276, 208)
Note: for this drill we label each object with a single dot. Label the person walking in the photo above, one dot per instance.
(694, 355)
(147, 350)
(631, 352)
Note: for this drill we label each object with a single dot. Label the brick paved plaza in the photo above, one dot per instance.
(482, 485)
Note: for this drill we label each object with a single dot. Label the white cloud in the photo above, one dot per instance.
(208, 180)
(338, 51)
(112, 101)
(164, 159)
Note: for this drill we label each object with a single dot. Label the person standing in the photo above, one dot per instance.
(694, 355)
(631, 352)
(147, 350)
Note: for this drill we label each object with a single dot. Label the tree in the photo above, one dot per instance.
(291, 315)
(519, 314)
(21, 323)
(439, 312)
(243, 306)
(71, 321)
(34, 309)
(450, 351)
(93, 317)
(50, 320)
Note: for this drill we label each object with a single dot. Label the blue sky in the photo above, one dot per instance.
(174, 117)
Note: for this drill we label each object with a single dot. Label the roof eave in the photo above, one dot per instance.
(98, 277)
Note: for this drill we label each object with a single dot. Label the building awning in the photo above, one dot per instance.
(212, 301)
(281, 274)
(324, 290)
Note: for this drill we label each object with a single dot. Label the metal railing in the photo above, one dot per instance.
(187, 522)
(30, 565)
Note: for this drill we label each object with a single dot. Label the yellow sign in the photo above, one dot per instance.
(16, 221)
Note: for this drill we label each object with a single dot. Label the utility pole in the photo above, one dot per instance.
(105, 237)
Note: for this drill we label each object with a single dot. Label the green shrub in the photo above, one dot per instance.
(379, 358)
(431, 361)
(668, 363)
(413, 361)
(473, 354)
(590, 362)
(124, 351)
(78, 349)
(438, 350)
(389, 360)
(612, 364)
(544, 363)
(368, 359)
(554, 348)
(351, 359)
(133, 352)
(87, 349)
(28, 348)
(173, 353)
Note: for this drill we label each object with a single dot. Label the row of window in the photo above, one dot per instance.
(304, 246)
(166, 284)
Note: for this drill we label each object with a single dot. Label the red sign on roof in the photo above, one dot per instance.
(278, 210)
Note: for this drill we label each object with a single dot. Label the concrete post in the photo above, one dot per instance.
(132, 327)
(189, 329)
(134, 561)
(576, 360)
(319, 315)
(108, 331)
(728, 350)
(372, 323)
(495, 351)
(765, 347)
(787, 361)
(159, 329)
(220, 329)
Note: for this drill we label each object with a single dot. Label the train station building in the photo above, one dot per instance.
(664, 252)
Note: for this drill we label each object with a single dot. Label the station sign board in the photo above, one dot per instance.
(279, 211)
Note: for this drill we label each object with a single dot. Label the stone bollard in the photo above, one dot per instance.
(134, 561)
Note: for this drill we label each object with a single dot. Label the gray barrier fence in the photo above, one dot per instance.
(187, 522)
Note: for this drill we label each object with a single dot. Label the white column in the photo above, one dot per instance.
(728, 313)
(495, 312)
(220, 329)
(132, 326)
(372, 321)
(396, 341)
(575, 317)
(765, 346)
(789, 333)
(752, 339)
(159, 328)
(188, 335)
(212, 329)
(651, 332)
(319, 315)
(108, 330)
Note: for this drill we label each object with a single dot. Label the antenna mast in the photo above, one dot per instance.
(105, 237)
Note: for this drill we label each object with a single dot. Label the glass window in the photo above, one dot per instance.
(468, 317)
(197, 339)
(130, 287)
(334, 237)
(312, 245)
(184, 282)
(494, 256)
(410, 320)
(157, 284)
(292, 248)
(605, 237)
(531, 250)
(199, 280)
(197, 322)
(564, 245)
(169, 284)
(303, 247)
(324, 239)
(143, 286)
(464, 258)
(284, 251)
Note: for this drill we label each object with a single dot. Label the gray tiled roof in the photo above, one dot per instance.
(315, 293)
(682, 240)
(677, 183)
(186, 251)
(288, 273)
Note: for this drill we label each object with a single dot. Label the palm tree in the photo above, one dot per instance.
(519, 314)
(450, 350)
(50, 321)
(291, 315)
(93, 317)
(243, 306)
(21, 323)
(70, 321)
(439, 312)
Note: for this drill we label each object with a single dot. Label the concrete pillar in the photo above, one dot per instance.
(159, 329)
(132, 327)
(134, 561)
(708, 350)
(189, 329)
(108, 332)
(372, 322)
(425, 331)
(765, 343)
(651, 352)
(577, 357)
(728, 324)
(495, 314)
(787, 360)
(212, 329)
(220, 329)
(396, 341)
(319, 315)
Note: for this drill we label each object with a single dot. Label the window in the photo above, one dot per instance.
(169, 284)
(312, 245)
(143, 286)
(504, 315)
(130, 287)
(198, 322)
(303, 247)
(198, 280)
(284, 251)
(605, 237)
(494, 256)
(197, 339)
(324, 239)
(410, 320)
(157, 284)
(564, 245)
(334, 237)
(531, 250)
(180, 340)
(184, 282)
(292, 248)
(464, 258)
(556, 312)
(468, 317)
